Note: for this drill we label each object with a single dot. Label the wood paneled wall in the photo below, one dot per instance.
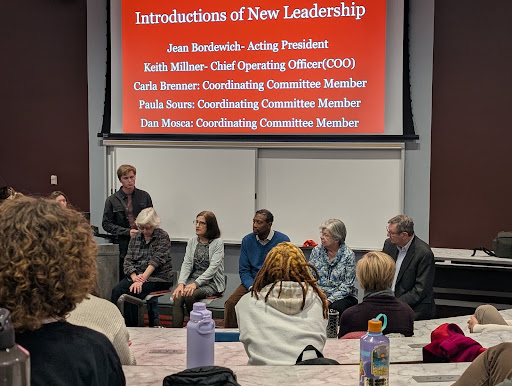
(43, 109)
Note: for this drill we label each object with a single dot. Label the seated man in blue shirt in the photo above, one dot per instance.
(253, 251)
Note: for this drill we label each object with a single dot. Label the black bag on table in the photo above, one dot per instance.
(503, 244)
(205, 375)
(317, 360)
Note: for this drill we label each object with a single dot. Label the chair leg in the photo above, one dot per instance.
(153, 314)
(141, 310)
(134, 302)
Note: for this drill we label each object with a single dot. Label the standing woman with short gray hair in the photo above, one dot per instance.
(336, 266)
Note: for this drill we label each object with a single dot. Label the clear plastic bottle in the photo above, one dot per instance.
(200, 337)
(374, 362)
(14, 359)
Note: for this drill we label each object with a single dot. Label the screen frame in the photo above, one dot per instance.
(408, 129)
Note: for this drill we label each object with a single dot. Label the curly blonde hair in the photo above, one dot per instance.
(47, 260)
(286, 262)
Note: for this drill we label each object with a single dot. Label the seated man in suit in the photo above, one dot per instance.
(415, 268)
(253, 251)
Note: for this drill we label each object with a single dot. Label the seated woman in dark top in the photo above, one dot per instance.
(202, 271)
(47, 266)
(375, 272)
(147, 265)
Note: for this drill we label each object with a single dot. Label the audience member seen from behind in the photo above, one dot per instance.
(285, 310)
(492, 367)
(202, 271)
(415, 267)
(121, 210)
(253, 250)
(6, 192)
(336, 266)
(147, 265)
(488, 318)
(60, 197)
(375, 272)
(47, 266)
(103, 316)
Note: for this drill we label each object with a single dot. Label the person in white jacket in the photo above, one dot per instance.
(202, 271)
(285, 310)
(488, 318)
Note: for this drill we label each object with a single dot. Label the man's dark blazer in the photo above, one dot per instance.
(415, 281)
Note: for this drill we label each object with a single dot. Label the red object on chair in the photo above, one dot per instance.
(310, 243)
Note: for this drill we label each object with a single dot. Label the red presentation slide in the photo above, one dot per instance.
(253, 67)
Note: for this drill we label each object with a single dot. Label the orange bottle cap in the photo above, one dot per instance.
(374, 325)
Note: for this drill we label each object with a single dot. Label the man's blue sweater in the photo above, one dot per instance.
(252, 255)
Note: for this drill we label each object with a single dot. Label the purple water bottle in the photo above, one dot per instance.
(374, 363)
(14, 359)
(200, 337)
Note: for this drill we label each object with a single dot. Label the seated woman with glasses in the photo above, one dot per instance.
(202, 271)
(147, 265)
(336, 266)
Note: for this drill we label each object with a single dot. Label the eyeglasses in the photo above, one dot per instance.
(325, 236)
(200, 223)
(145, 228)
(392, 233)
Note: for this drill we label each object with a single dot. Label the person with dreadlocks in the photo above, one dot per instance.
(285, 310)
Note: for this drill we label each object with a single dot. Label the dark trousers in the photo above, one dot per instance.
(229, 307)
(177, 308)
(131, 314)
(342, 304)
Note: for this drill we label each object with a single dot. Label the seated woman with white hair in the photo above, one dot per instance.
(336, 265)
(147, 265)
